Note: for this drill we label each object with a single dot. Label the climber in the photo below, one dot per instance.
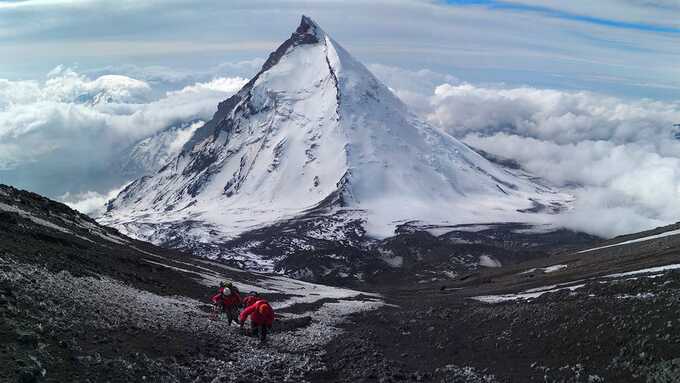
(261, 315)
(227, 300)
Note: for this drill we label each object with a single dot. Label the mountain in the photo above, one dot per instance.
(314, 149)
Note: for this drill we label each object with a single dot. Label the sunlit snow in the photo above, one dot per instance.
(317, 126)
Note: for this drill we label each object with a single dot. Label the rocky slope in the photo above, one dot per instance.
(607, 313)
(81, 302)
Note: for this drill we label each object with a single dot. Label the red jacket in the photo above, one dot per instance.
(259, 310)
(232, 298)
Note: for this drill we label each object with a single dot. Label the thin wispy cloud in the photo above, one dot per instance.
(569, 10)
(656, 15)
(495, 41)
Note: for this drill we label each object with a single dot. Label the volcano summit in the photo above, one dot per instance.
(314, 137)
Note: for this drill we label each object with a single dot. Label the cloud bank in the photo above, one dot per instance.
(68, 132)
(621, 158)
(90, 202)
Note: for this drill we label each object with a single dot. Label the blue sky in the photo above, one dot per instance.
(628, 48)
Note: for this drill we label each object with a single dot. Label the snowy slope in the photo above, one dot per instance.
(314, 130)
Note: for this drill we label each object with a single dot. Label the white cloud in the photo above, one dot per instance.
(90, 202)
(182, 137)
(619, 157)
(65, 85)
(230, 85)
(620, 188)
(67, 133)
(173, 78)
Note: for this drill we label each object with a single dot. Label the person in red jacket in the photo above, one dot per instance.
(228, 300)
(261, 315)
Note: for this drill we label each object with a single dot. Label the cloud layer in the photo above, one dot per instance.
(621, 158)
(67, 134)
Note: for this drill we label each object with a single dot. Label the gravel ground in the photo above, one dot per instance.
(58, 328)
(82, 303)
(615, 330)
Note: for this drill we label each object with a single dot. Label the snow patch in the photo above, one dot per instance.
(645, 271)
(300, 291)
(527, 294)
(643, 239)
(489, 261)
(636, 296)
(554, 268)
(549, 269)
(439, 231)
(390, 258)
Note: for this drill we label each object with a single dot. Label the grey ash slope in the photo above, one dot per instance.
(82, 302)
(602, 313)
(316, 145)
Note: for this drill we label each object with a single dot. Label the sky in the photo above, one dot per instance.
(624, 47)
(591, 86)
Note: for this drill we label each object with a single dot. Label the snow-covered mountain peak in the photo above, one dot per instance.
(315, 131)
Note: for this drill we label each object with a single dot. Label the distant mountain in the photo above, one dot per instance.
(110, 89)
(315, 149)
(150, 154)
